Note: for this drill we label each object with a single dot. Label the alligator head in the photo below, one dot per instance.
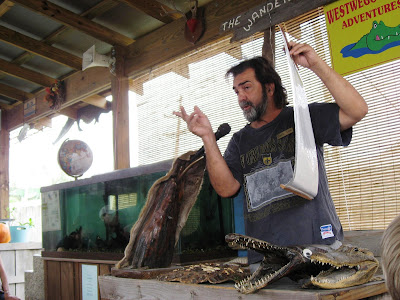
(379, 36)
(316, 265)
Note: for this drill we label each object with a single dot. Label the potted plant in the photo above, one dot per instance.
(19, 230)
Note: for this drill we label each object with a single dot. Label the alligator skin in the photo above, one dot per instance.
(169, 201)
(207, 272)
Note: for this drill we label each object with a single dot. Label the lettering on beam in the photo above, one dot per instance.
(270, 13)
(256, 19)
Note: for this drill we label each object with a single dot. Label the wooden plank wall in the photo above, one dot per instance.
(17, 258)
(63, 279)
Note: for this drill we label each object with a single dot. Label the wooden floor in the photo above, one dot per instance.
(125, 288)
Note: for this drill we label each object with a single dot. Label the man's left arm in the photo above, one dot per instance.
(352, 105)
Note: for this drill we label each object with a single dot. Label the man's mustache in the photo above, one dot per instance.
(244, 103)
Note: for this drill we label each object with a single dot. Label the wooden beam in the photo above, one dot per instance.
(14, 93)
(5, 106)
(236, 53)
(120, 107)
(4, 166)
(136, 86)
(268, 48)
(68, 18)
(91, 13)
(79, 86)
(39, 48)
(99, 9)
(168, 41)
(70, 112)
(44, 122)
(96, 100)
(154, 9)
(5, 6)
(26, 74)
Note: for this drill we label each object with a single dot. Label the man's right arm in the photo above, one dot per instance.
(220, 175)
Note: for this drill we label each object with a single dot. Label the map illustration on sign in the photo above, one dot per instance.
(379, 39)
(75, 157)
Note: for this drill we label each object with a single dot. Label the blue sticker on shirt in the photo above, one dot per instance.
(326, 231)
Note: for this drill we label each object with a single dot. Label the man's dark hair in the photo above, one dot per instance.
(265, 73)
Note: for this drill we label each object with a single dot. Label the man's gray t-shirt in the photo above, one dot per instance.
(263, 158)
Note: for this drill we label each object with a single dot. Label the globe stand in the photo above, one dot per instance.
(76, 177)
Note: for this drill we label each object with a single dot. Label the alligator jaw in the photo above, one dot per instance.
(265, 275)
(350, 266)
(277, 263)
(322, 265)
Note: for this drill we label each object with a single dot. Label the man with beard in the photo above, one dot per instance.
(260, 156)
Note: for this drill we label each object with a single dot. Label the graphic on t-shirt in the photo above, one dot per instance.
(267, 159)
(263, 187)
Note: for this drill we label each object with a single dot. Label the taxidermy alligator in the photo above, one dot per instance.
(314, 265)
(154, 235)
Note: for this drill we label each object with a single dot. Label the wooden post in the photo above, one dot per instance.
(4, 166)
(120, 107)
(268, 49)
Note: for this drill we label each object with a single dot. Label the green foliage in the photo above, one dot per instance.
(29, 223)
(12, 213)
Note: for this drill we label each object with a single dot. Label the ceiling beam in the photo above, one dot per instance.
(70, 112)
(5, 7)
(39, 48)
(99, 9)
(79, 86)
(168, 42)
(14, 93)
(91, 13)
(44, 122)
(68, 18)
(5, 106)
(25, 74)
(154, 9)
(96, 100)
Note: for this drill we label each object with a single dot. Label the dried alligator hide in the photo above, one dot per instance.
(207, 272)
(170, 199)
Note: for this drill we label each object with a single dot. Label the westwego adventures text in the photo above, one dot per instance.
(343, 10)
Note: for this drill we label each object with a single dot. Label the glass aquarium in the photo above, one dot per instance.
(92, 218)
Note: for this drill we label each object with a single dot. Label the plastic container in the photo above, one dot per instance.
(19, 234)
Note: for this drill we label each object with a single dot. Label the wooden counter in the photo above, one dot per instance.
(63, 276)
(126, 289)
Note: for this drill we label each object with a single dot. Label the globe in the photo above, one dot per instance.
(75, 157)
